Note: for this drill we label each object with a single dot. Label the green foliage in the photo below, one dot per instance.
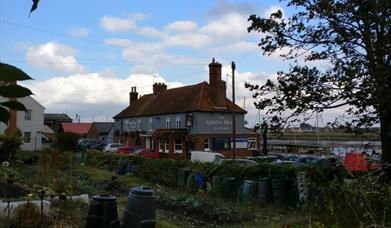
(201, 208)
(353, 37)
(9, 89)
(9, 145)
(67, 141)
(26, 157)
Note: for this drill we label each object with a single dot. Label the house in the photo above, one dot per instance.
(174, 121)
(30, 123)
(102, 131)
(76, 128)
(54, 120)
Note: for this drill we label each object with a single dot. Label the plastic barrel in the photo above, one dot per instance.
(102, 212)
(264, 190)
(247, 191)
(280, 189)
(140, 209)
(217, 185)
(229, 188)
(183, 174)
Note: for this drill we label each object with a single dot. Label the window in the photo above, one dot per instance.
(168, 122)
(206, 144)
(178, 146)
(27, 137)
(139, 124)
(163, 145)
(150, 124)
(27, 115)
(178, 122)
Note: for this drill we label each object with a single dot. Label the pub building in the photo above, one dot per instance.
(176, 121)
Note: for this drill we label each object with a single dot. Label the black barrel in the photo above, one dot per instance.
(264, 190)
(280, 188)
(102, 212)
(140, 209)
(229, 188)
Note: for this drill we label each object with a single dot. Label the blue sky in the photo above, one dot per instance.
(85, 55)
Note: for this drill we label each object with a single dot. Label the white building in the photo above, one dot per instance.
(30, 123)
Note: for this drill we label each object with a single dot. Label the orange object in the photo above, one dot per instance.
(355, 162)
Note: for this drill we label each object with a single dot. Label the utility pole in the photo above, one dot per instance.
(233, 112)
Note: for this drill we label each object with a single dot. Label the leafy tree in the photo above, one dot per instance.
(9, 89)
(9, 75)
(353, 37)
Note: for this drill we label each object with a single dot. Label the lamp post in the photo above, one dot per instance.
(189, 124)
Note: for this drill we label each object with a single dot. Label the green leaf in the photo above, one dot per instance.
(9, 73)
(4, 115)
(14, 91)
(14, 105)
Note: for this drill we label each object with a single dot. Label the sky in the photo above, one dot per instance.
(84, 56)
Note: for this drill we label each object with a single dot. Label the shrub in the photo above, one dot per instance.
(9, 145)
(67, 141)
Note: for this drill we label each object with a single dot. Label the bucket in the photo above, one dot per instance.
(140, 209)
(102, 212)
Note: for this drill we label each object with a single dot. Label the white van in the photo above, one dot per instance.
(203, 156)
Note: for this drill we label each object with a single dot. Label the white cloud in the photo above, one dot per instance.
(193, 40)
(114, 24)
(239, 47)
(273, 9)
(93, 94)
(54, 56)
(79, 32)
(182, 26)
(151, 32)
(230, 27)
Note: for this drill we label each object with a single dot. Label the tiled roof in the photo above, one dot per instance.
(103, 127)
(56, 116)
(178, 100)
(77, 128)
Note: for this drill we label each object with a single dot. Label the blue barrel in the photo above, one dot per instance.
(280, 189)
(102, 212)
(264, 190)
(247, 191)
(140, 211)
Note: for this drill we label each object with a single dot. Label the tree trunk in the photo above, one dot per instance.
(385, 132)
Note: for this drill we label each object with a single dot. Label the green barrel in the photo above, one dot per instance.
(247, 192)
(102, 212)
(217, 185)
(280, 189)
(183, 174)
(264, 190)
(228, 188)
(140, 211)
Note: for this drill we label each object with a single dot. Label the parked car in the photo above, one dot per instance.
(137, 150)
(240, 161)
(203, 156)
(86, 143)
(99, 145)
(112, 147)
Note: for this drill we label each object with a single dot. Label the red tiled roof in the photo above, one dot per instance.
(183, 99)
(77, 128)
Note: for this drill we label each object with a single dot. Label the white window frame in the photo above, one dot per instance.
(139, 124)
(168, 123)
(177, 144)
(207, 142)
(178, 122)
(28, 114)
(163, 143)
(25, 138)
(150, 124)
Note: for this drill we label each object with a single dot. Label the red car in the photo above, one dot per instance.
(138, 150)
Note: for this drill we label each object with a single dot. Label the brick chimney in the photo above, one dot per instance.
(158, 88)
(217, 87)
(133, 95)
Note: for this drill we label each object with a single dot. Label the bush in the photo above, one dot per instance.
(67, 141)
(9, 145)
(27, 157)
